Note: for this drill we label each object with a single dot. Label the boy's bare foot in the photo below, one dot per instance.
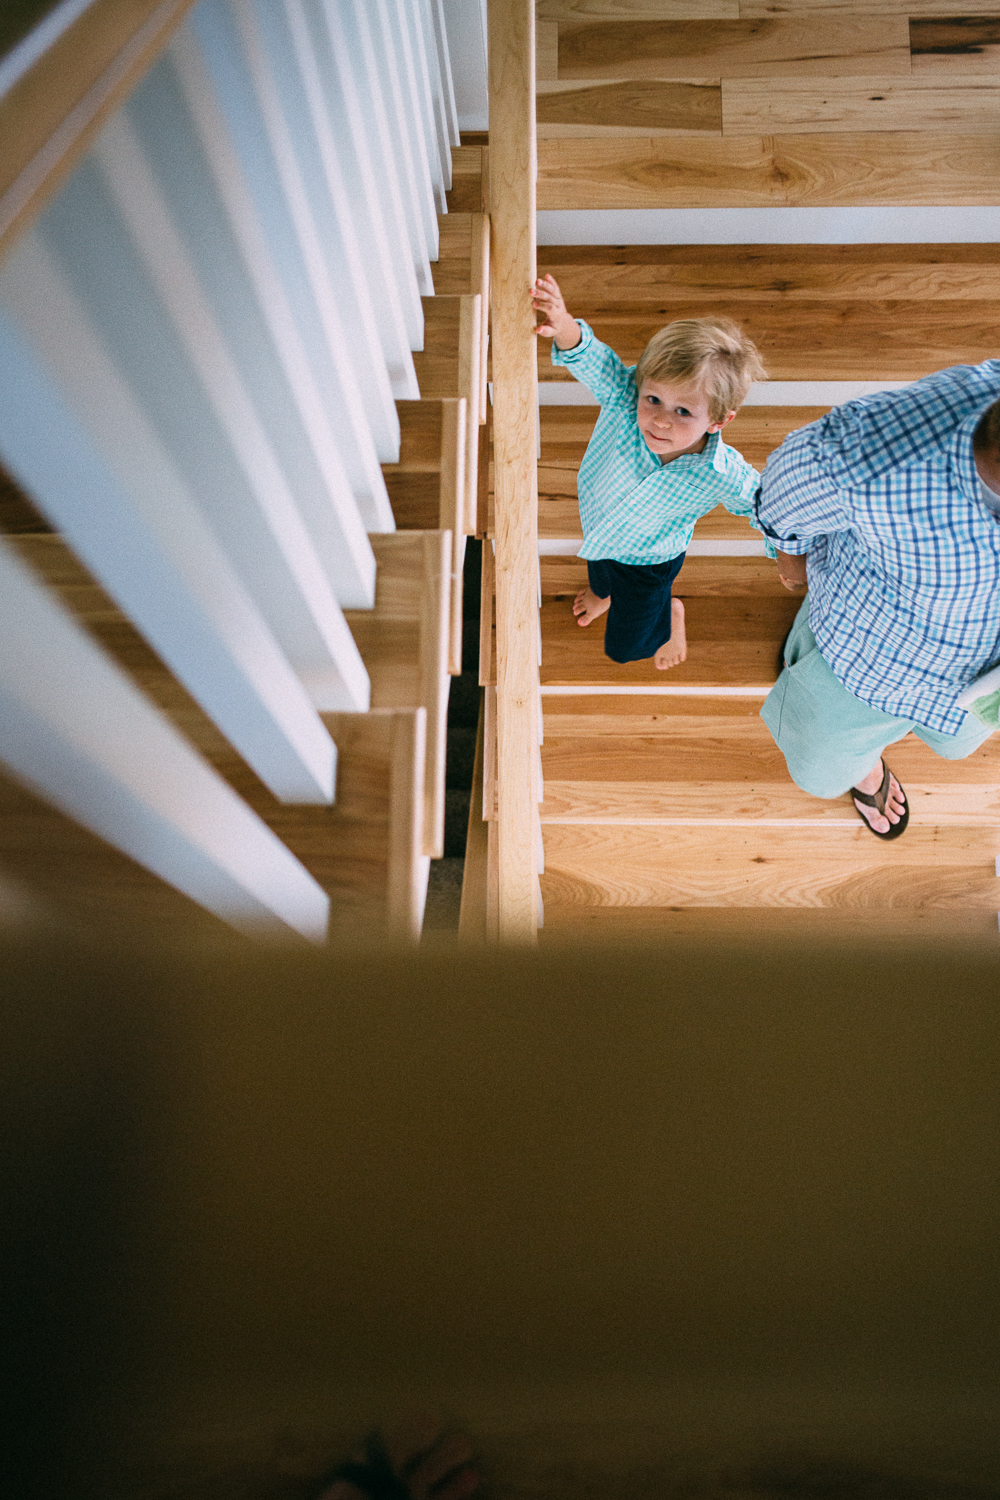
(588, 608)
(676, 649)
(418, 1459)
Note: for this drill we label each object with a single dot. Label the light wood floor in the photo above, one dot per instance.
(674, 812)
(712, 103)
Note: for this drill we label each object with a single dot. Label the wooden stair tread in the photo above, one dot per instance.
(607, 864)
(404, 644)
(427, 489)
(767, 925)
(731, 643)
(720, 577)
(815, 340)
(855, 168)
(451, 364)
(318, 836)
(597, 275)
(709, 803)
(469, 165)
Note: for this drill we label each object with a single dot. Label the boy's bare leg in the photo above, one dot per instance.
(676, 649)
(588, 608)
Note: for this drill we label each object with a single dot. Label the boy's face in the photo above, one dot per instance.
(674, 419)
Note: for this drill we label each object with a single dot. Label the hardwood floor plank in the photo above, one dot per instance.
(638, 10)
(803, 106)
(825, 341)
(731, 643)
(717, 577)
(769, 273)
(770, 926)
(824, 45)
(955, 45)
(714, 803)
(939, 866)
(936, 8)
(781, 171)
(630, 107)
(546, 50)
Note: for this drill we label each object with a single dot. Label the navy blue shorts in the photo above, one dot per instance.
(638, 621)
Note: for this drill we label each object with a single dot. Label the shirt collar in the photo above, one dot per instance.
(714, 453)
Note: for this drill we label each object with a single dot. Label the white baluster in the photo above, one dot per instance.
(73, 433)
(378, 87)
(329, 88)
(75, 729)
(244, 88)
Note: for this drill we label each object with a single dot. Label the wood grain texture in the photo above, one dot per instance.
(76, 884)
(450, 365)
(819, 170)
(346, 847)
(957, 107)
(954, 46)
(939, 866)
(826, 46)
(828, 341)
(712, 802)
(664, 274)
(638, 10)
(404, 644)
(766, 926)
(546, 50)
(732, 642)
(719, 577)
(50, 116)
(802, 8)
(630, 107)
(427, 488)
(468, 166)
(512, 173)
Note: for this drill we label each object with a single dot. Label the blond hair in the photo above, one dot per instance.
(713, 354)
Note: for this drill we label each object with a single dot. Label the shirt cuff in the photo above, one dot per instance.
(567, 356)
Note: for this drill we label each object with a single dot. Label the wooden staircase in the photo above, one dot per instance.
(667, 806)
(370, 850)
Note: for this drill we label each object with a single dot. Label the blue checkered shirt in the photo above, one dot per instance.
(633, 508)
(904, 557)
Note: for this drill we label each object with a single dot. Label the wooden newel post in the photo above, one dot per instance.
(515, 428)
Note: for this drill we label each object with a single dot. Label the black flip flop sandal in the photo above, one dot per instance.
(878, 801)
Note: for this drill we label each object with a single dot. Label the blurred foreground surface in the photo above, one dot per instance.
(657, 1222)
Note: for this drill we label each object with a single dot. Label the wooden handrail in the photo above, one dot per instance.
(515, 418)
(50, 113)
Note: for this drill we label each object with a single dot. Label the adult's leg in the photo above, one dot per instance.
(831, 741)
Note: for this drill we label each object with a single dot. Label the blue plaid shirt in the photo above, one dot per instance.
(904, 557)
(633, 508)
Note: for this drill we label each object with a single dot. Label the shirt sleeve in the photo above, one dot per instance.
(799, 498)
(743, 501)
(597, 367)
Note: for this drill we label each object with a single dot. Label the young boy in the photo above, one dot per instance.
(655, 463)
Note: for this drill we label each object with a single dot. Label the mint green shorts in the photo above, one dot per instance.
(829, 738)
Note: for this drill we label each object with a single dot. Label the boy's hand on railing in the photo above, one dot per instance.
(557, 323)
(792, 572)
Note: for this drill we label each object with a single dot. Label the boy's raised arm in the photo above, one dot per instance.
(557, 322)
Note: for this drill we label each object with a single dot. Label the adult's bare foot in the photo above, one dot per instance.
(895, 804)
(416, 1460)
(676, 649)
(588, 608)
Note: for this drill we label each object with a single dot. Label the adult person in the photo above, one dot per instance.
(889, 508)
